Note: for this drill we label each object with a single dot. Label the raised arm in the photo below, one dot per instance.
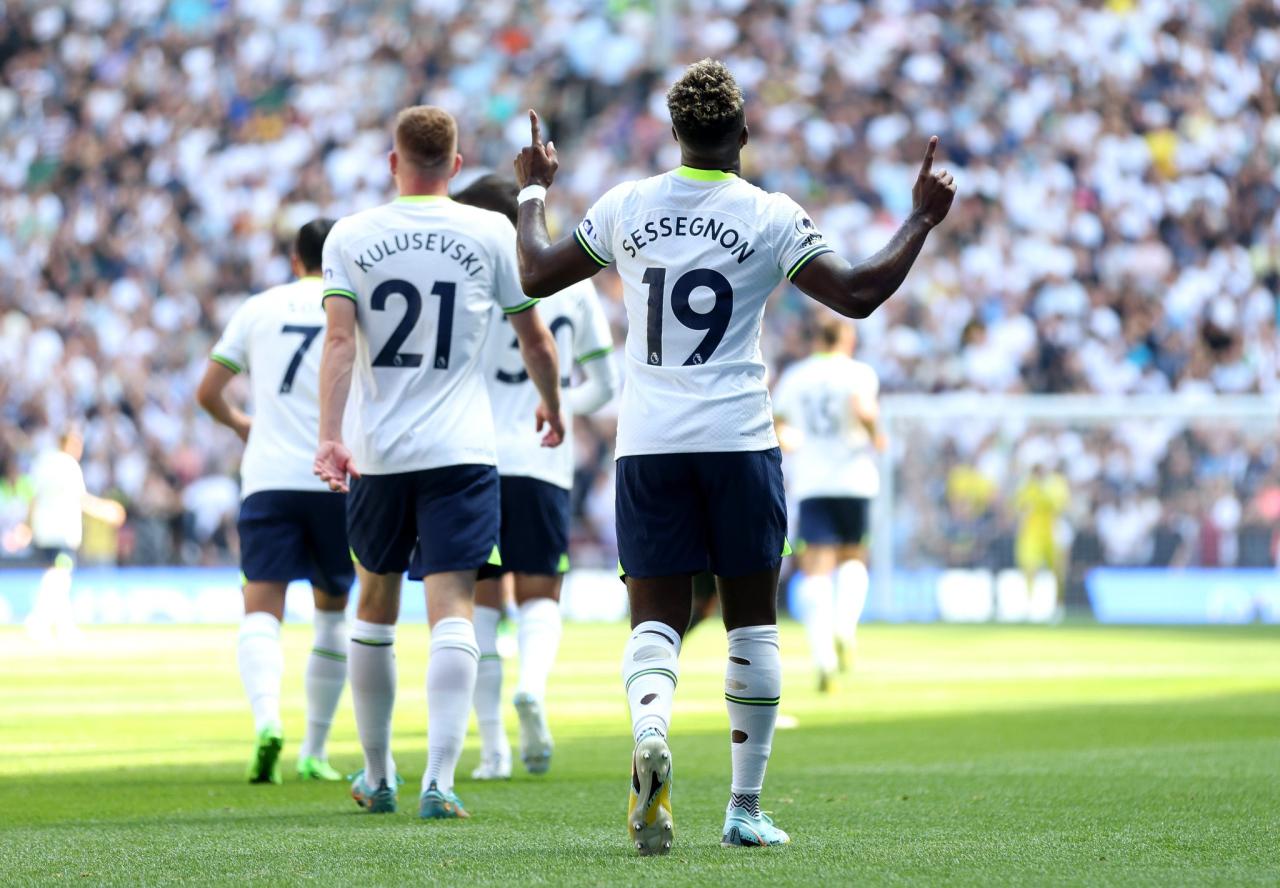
(545, 267)
(333, 460)
(855, 291)
(538, 349)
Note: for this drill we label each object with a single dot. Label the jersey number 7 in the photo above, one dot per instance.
(715, 321)
(309, 334)
(390, 355)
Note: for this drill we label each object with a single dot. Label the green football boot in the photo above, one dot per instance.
(264, 767)
(312, 768)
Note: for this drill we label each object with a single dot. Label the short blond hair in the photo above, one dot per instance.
(427, 138)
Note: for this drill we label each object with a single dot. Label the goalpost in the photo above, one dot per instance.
(990, 502)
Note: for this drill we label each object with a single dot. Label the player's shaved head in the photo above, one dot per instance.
(427, 139)
(706, 107)
(491, 192)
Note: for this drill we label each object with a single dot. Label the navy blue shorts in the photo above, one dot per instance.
(425, 522)
(683, 513)
(290, 535)
(834, 520)
(535, 527)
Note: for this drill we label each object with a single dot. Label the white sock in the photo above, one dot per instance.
(373, 691)
(488, 696)
(752, 687)
(52, 607)
(451, 684)
(325, 678)
(852, 582)
(261, 666)
(539, 639)
(817, 594)
(650, 671)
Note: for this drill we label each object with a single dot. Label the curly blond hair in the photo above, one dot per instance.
(706, 104)
(427, 137)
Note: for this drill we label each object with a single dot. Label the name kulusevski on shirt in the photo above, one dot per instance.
(447, 244)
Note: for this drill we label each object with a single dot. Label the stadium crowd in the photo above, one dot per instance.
(1117, 231)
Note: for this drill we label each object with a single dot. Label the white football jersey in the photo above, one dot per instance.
(277, 336)
(57, 501)
(424, 273)
(582, 334)
(699, 252)
(836, 456)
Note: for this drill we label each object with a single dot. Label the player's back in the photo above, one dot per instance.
(581, 331)
(836, 455)
(277, 336)
(424, 273)
(699, 252)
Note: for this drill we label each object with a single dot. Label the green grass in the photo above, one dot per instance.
(953, 756)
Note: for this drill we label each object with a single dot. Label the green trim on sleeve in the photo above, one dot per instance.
(582, 242)
(337, 291)
(806, 259)
(592, 355)
(226, 362)
(523, 306)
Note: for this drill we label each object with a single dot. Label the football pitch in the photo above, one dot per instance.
(1075, 755)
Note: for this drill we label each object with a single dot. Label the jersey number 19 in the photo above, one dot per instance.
(715, 321)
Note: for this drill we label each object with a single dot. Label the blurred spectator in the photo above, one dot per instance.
(1118, 229)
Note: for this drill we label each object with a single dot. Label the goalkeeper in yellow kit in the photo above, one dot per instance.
(1041, 499)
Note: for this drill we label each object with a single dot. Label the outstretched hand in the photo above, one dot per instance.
(933, 192)
(536, 164)
(333, 464)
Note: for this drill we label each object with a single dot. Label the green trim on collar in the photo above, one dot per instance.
(703, 175)
(421, 198)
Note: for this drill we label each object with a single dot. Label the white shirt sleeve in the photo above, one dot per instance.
(796, 239)
(506, 272)
(595, 233)
(866, 384)
(336, 280)
(232, 348)
(592, 337)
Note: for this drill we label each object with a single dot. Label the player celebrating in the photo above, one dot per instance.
(291, 526)
(536, 483)
(409, 293)
(699, 477)
(827, 405)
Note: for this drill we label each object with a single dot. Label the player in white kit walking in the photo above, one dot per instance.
(410, 289)
(536, 484)
(827, 412)
(699, 477)
(292, 527)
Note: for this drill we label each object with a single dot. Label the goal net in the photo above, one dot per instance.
(1150, 508)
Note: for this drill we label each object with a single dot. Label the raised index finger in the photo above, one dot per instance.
(927, 166)
(535, 129)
